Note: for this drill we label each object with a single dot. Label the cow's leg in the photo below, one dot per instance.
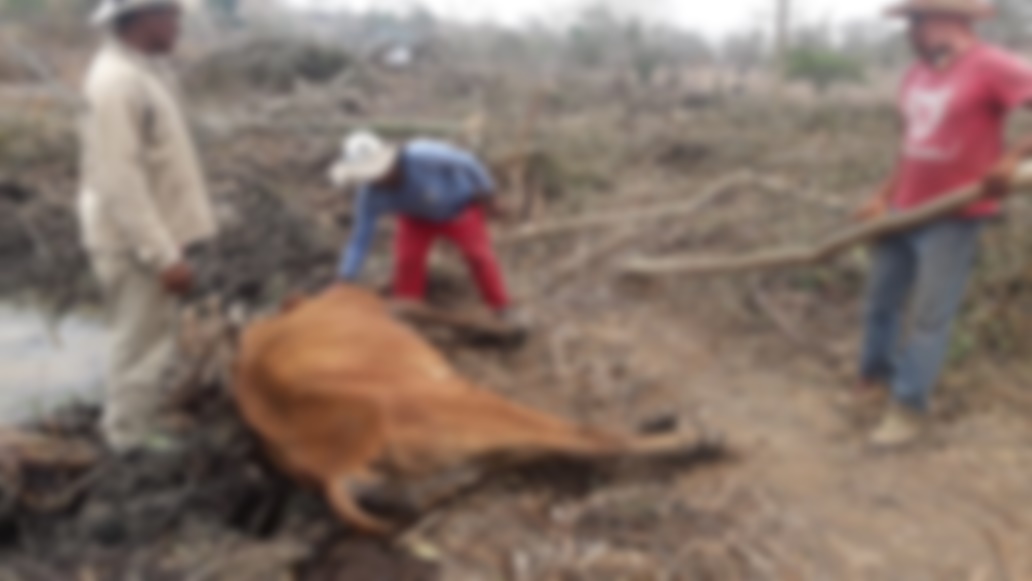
(341, 493)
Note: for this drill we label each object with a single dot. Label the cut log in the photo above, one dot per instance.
(785, 258)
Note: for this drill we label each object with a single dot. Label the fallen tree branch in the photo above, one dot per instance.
(810, 255)
(597, 253)
(782, 187)
(621, 217)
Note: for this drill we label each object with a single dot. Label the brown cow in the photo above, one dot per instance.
(344, 396)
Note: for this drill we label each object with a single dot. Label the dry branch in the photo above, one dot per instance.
(810, 255)
(588, 259)
(622, 217)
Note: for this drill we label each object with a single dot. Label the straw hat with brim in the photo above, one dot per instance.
(365, 158)
(109, 11)
(974, 9)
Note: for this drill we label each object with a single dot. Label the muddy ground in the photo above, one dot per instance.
(761, 360)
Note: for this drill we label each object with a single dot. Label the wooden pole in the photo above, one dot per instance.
(794, 257)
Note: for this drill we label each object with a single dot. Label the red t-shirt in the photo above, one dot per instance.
(954, 124)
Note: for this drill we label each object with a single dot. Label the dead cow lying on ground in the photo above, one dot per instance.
(344, 396)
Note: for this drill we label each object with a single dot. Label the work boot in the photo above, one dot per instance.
(899, 427)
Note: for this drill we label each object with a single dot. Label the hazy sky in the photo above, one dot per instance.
(711, 16)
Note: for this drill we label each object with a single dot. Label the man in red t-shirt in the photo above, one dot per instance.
(954, 104)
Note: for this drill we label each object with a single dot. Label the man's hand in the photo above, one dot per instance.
(998, 183)
(178, 279)
(872, 209)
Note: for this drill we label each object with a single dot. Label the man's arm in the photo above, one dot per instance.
(367, 215)
(999, 182)
(115, 144)
(1010, 78)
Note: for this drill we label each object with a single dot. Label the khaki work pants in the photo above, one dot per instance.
(144, 326)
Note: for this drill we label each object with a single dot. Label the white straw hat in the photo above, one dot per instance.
(365, 158)
(111, 10)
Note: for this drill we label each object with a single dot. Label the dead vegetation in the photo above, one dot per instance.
(269, 66)
(599, 179)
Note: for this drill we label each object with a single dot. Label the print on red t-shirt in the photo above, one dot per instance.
(954, 124)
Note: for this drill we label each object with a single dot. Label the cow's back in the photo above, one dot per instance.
(347, 334)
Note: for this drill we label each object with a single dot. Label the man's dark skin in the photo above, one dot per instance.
(155, 32)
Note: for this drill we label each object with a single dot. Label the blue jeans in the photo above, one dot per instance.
(930, 267)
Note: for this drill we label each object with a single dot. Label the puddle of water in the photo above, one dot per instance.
(39, 372)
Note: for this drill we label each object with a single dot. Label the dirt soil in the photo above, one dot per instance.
(761, 360)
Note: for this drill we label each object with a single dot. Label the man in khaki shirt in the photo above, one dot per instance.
(143, 202)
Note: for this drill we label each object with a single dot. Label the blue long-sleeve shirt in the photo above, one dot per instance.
(439, 182)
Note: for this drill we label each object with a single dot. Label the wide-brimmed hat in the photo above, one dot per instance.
(365, 157)
(109, 11)
(974, 9)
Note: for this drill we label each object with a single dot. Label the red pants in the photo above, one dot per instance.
(468, 231)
